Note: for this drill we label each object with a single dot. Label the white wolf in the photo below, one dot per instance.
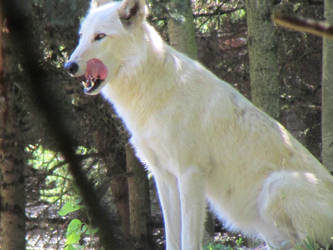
(200, 138)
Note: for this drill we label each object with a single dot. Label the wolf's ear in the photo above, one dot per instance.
(132, 12)
(96, 3)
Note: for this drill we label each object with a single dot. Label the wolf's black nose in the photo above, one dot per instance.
(71, 67)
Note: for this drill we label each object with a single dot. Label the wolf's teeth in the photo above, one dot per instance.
(89, 83)
(84, 83)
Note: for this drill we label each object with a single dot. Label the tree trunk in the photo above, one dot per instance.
(327, 93)
(119, 188)
(180, 27)
(264, 68)
(12, 195)
(109, 144)
(139, 202)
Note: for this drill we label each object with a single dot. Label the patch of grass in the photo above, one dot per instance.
(309, 244)
(217, 246)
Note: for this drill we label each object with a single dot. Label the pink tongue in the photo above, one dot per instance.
(96, 69)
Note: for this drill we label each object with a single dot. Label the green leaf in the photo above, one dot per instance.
(73, 233)
(69, 207)
(74, 226)
(73, 238)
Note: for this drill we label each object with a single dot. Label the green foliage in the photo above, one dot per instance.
(239, 241)
(58, 184)
(226, 242)
(57, 181)
(238, 15)
(218, 246)
(69, 207)
(76, 229)
(56, 187)
(214, 15)
(73, 233)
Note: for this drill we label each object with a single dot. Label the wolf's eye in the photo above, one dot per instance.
(99, 36)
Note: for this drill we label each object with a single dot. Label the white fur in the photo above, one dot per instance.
(202, 140)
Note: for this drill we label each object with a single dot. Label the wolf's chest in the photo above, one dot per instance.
(171, 146)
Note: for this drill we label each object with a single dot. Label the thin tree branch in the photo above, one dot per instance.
(217, 12)
(311, 26)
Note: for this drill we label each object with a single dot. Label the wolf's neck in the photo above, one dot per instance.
(138, 94)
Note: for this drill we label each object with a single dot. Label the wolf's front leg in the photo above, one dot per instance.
(169, 198)
(192, 198)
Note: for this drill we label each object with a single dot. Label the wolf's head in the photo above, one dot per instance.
(107, 37)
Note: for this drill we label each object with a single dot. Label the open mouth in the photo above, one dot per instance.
(95, 74)
(90, 84)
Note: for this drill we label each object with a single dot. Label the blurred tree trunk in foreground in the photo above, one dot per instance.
(12, 194)
(264, 68)
(327, 93)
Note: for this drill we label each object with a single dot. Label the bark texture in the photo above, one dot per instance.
(180, 27)
(139, 202)
(262, 45)
(12, 195)
(327, 93)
